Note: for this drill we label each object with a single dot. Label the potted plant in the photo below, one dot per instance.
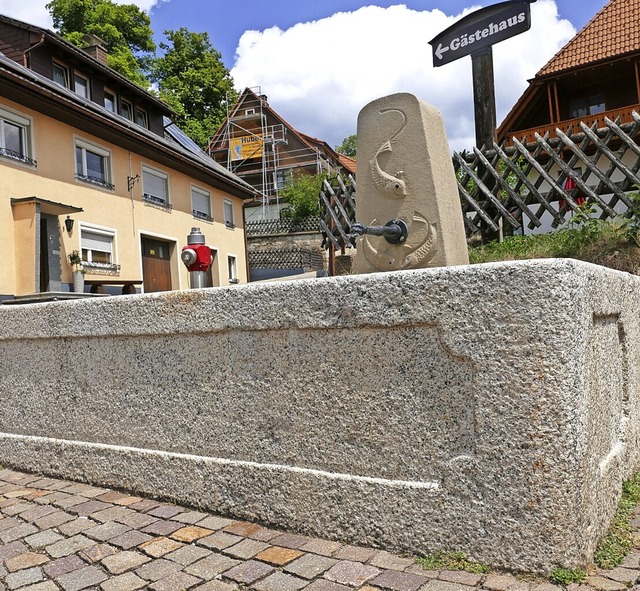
(75, 260)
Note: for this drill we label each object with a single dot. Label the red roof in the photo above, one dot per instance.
(613, 32)
(348, 163)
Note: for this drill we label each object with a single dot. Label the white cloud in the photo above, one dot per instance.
(35, 12)
(318, 75)
(29, 11)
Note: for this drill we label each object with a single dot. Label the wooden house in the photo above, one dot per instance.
(259, 146)
(595, 75)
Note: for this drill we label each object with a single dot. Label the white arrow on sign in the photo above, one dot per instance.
(441, 50)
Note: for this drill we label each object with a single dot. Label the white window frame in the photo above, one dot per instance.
(87, 252)
(142, 118)
(66, 74)
(82, 175)
(196, 212)
(109, 92)
(229, 221)
(232, 268)
(26, 129)
(81, 77)
(150, 198)
(124, 104)
(250, 112)
(283, 178)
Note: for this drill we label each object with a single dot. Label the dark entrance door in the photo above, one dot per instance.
(49, 261)
(44, 256)
(156, 265)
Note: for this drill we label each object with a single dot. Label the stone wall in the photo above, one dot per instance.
(490, 409)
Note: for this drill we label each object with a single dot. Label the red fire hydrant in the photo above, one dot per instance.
(196, 255)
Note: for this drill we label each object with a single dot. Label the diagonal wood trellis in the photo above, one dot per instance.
(338, 213)
(515, 184)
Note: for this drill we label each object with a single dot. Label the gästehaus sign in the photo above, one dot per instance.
(481, 29)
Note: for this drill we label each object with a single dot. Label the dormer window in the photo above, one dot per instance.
(61, 74)
(110, 101)
(142, 119)
(81, 86)
(127, 110)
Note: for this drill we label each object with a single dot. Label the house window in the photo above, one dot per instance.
(250, 112)
(142, 119)
(232, 269)
(93, 165)
(283, 178)
(155, 187)
(110, 101)
(15, 137)
(127, 110)
(201, 204)
(228, 214)
(587, 106)
(81, 86)
(97, 247)
(61, 74)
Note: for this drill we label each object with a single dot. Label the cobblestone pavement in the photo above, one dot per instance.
(60, 535)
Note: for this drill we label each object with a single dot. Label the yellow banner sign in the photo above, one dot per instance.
(249, 146)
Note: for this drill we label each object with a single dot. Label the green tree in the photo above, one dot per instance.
(349, 146)
(192, 79)
(124, 28)
(302, 196)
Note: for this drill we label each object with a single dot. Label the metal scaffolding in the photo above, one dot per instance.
(257, 152)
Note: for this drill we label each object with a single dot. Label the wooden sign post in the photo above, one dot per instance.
(484, 97)
(474, 35)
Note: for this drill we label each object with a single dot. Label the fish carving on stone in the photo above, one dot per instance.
(390, 185)
(418, 251)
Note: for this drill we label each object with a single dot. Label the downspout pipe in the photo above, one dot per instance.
(25, 56)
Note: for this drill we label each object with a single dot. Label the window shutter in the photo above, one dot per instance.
(95, 241)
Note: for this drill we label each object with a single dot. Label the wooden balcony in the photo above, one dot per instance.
(528, 136)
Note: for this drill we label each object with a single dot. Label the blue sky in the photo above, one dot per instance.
(227, 20)
(320, 61)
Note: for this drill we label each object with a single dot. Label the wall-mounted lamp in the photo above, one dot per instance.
(132, 180)
(68, 224)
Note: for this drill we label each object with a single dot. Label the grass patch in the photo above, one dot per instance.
(451, 561)
(566, 576)
(616, 544)
(603, 243)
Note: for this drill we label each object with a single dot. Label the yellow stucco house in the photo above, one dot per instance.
(90, 162)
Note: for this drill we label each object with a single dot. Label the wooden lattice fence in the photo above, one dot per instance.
(513, 184)
(338, 207)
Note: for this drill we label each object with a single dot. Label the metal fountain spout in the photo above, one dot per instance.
(394, 232)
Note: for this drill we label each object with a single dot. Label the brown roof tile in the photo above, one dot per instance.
(614, 31)
(348, 163)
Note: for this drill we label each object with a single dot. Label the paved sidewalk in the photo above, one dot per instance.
(60, 535)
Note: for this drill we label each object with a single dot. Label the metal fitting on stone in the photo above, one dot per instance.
(394, 232)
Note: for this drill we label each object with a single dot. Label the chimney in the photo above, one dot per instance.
(95, 48)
